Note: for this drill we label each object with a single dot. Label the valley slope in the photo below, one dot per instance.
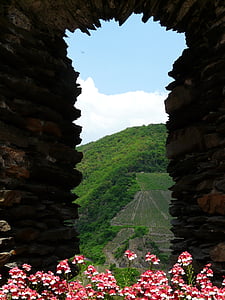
(113, 169)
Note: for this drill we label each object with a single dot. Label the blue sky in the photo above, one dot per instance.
(123, 74)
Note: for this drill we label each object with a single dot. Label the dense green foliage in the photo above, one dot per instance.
(125, 276)
(109, 182)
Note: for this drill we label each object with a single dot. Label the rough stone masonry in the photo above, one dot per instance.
(38, 90)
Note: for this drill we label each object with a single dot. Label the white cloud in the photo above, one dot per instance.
(106, 114)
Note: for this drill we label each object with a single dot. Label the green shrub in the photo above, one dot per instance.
(125, 276)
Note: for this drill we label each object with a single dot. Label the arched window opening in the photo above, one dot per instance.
(124, 198)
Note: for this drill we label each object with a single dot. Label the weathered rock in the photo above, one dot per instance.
(212, 140)
(218, 253)
(212, 203)
(58, 234)
(205, 185)
(184, 140)
(178, 98)
(40, 127)
(6, 242)
(220, 185)
(4, 226)
(27, 234)
(216, 220)
(5, 257)
(39, 249)
(65, 250)
(8, 198)
(23, 211)
(32, 223)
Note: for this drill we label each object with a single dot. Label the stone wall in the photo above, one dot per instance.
(38, 90)
(195, 145)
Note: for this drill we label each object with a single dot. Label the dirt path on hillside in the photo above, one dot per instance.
(137, 203)
(156, 206)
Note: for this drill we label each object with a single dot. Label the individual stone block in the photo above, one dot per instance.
(4, 226)
(180, 97)
(212, 203)
(9, 197)
(185, 140)
(217, 254)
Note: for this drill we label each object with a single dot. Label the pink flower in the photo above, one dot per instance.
(185, 258)
(152, 258)
(152, 285)
(207, 270)
(26, 267)
(78, 259)
(177, 270)
(91, 271)
(202, 278)
(17, 273)
(128, 292)
(130, 255)
(63, 267)
(223, 283)
(105, 282)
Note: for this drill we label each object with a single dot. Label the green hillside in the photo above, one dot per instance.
(144, 222)
(154, 181)
(109, 182)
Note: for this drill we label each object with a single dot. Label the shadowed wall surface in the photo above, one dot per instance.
(38, 90)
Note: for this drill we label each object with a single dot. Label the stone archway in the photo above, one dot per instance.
(37, 137)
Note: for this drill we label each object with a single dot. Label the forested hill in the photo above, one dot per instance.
(109, 182)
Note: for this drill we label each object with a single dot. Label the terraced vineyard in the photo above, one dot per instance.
(148, 209)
